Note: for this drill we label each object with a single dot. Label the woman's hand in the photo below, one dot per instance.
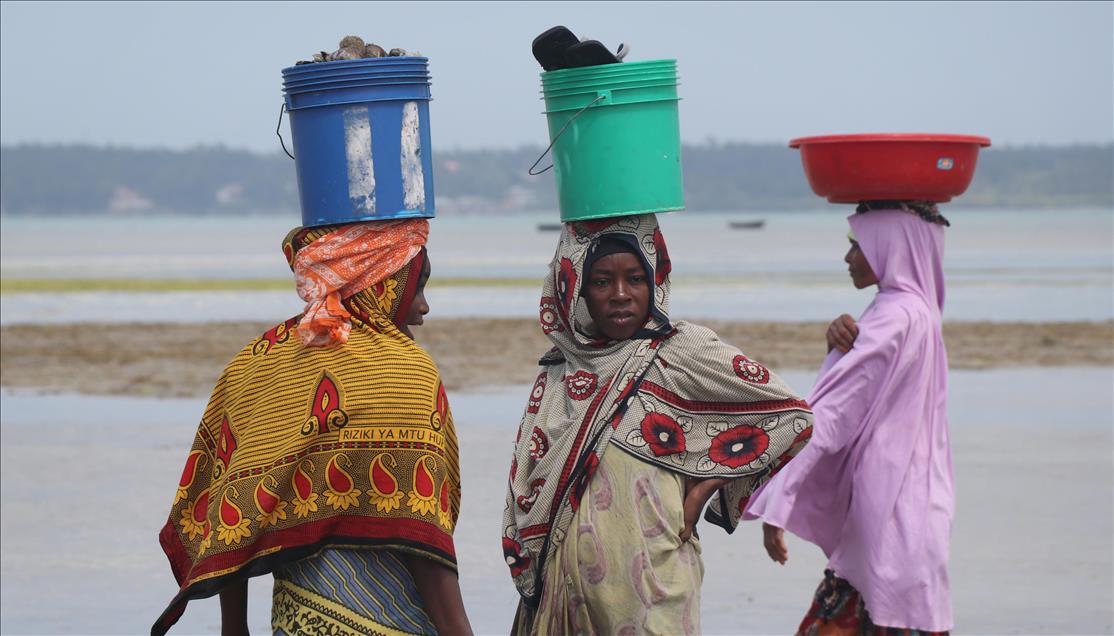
(774, 540)
(842, 333)
(697, 493)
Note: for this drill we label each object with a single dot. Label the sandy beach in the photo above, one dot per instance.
(176, 360)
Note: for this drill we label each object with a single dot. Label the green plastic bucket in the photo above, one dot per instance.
(616, 139)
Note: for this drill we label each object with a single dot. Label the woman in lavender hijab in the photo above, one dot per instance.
(874, 487)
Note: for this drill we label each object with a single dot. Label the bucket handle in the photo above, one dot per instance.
(592, 103)
(278, 131)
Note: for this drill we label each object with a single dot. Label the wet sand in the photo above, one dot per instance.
(175, 360)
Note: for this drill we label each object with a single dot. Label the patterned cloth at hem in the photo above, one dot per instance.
(624, 569)
(348, 591)
(838, 610)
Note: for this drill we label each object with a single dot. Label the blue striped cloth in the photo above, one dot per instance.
(372, 583)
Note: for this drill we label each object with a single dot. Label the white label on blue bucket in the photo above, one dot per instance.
(361, 166)
(413, 179)
(944, 163)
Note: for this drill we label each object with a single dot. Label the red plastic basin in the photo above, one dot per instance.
(853, 168)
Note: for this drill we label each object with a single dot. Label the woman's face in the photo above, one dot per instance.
(419, 307)
(862, 276)
(618, 295)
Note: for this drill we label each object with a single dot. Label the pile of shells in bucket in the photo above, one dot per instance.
(353, 47)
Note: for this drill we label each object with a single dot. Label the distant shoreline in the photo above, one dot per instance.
(749, 213)
(9, 286)
(176, 360)
(718, 176)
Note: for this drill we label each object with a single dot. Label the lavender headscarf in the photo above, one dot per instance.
(874, 487)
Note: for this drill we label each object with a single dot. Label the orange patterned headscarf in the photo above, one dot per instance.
(345, 261)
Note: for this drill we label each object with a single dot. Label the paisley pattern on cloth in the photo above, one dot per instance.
(646, 583)
(673, 396)
(302, 448)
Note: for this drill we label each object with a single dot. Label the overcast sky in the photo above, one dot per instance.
(182, 74)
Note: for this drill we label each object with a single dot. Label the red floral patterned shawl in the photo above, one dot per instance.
(673, 395)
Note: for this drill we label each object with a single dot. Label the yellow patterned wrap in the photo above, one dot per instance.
(301, 448)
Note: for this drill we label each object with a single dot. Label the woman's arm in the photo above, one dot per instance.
(697, 494)
(440, 591)
(773, 538)
(234, 609)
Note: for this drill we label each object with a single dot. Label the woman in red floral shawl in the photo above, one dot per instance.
(632, 424)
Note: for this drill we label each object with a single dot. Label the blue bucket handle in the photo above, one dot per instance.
(278, 131)
(600, 96)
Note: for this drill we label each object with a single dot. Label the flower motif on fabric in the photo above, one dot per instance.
(440, 413)
(325, 410)
(274, 336)
(804, 432)
(750, 370)
(195, 516)
(385, 493)
(536, 393)
(226, 445)
(444, 509)
(386, 293)
(423, 497)
(206, 539)
(591, 463)
(581, 385)
(549, 316)
(305, 500)
(341, 493)
(663, 265)
(664, 435)
(739, 446)
(272, 508)
(194, 463)
(526, 502)
(566, 287)
(233, 526)
(585, 228)
(539, 443)
(512, 552)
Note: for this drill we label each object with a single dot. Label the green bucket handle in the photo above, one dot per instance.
(601, 95)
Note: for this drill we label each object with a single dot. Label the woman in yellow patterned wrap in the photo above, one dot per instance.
(327, 455)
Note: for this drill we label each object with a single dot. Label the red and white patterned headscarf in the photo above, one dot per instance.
(673, 395)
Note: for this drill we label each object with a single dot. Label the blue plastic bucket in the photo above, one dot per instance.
(361, 139)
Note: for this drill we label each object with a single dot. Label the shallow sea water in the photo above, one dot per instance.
(86, 483)
(1001, 265)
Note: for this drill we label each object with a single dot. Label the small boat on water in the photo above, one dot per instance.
(747, 225)
(550, 227)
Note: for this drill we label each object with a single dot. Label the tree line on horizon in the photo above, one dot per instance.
(46, 180)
